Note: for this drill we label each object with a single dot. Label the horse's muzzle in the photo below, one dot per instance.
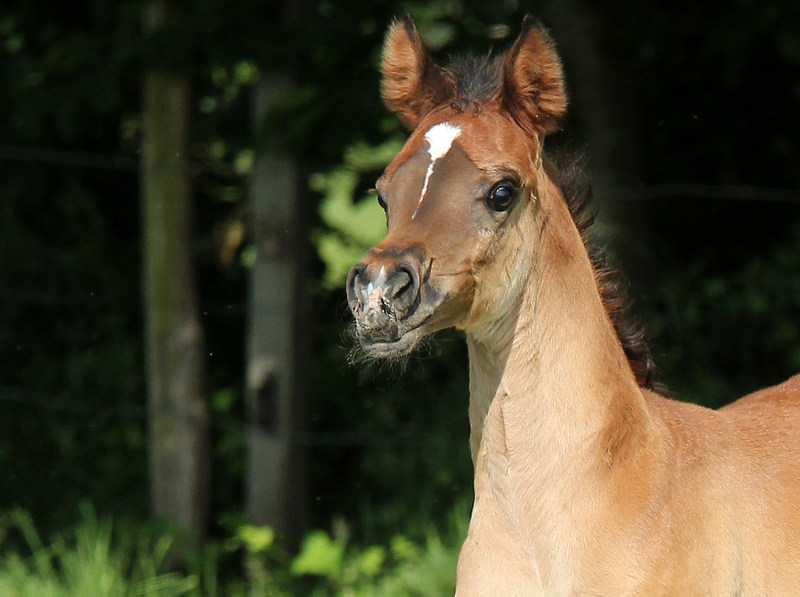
(383, 291)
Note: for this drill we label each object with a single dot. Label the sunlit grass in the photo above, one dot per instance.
(97, 558)
(87, 561)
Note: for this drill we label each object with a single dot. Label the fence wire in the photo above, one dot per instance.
(103, 161)
(91, 412)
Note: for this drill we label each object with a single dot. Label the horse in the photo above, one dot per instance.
(587, 481)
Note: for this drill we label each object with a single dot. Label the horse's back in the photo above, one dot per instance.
(766, 423)
(785, 395)
(766, 429)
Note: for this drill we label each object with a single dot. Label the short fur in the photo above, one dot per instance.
(473, 81)
(586, 482)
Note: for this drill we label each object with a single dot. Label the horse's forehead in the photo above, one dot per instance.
(418, 182)
(487, 140)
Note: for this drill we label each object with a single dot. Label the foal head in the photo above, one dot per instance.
(462, 196)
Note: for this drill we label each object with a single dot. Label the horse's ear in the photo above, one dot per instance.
(533, 80)
(413, 84)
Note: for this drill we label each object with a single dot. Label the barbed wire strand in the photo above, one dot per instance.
(60, 405)
(102, 161)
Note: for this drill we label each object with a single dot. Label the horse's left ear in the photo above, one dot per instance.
(413, 84)
(533, 80)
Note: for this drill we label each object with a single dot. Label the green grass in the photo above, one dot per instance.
(87, 561)
(97, 558)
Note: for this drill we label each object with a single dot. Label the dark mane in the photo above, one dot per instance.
(477, 78)
(631, 332)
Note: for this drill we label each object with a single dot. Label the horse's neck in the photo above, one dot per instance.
(552, 398)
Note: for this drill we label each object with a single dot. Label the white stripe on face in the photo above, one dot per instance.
(440, 139)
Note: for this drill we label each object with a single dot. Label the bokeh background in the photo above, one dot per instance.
(307, 471)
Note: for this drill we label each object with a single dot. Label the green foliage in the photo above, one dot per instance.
(353, 225)
(88, 561)
(320, 556)
(745, 323)
(72, 416)
(403, 569)
(256, 539)
(101, 559)
(423, 570)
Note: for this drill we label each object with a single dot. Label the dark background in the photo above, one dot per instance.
(687, 112)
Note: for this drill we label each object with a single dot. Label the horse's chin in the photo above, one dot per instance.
(400, 347)
(390, 338)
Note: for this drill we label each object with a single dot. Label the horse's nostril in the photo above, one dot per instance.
(382, 291)
(408, 280)
(403, 288)
(401, 283)
(352, 283)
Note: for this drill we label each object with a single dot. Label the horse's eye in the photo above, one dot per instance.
(501, 196)
(384, 207)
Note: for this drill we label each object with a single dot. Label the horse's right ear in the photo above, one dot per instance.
(413, 84)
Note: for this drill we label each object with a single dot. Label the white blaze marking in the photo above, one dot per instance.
(440, 139)
(374, 290)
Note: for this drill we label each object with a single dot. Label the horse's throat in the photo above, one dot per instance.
(550, 408)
